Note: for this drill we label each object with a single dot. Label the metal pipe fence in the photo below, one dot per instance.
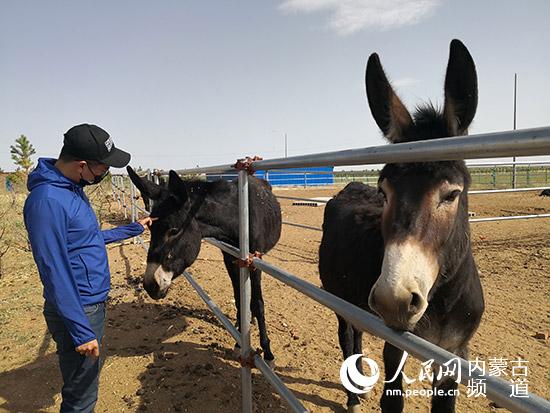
(498, 175)
(511, 143)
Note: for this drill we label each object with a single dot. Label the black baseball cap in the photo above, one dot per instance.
(90, 142)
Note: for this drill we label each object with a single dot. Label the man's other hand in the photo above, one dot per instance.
(91, 348)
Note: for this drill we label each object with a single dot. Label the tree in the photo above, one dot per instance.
(21, 153)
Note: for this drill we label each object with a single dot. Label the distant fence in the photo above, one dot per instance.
(319, 176)
(498, 175)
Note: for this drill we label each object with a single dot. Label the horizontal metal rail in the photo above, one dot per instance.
(524, 142)
(496, 191)
(230, 249)
(471, 220)
(519, 163)
(497, 390)
(292, 224)
(510, 218)
(215, 309)
(283, 172)
(279, 386)
(476, 192)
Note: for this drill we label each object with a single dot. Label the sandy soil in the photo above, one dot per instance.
(173, 355)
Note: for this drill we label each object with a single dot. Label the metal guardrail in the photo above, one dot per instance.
(498, 191)
(523, 142)
(512, 143)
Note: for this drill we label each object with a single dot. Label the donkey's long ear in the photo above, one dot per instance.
(460, 89)
(146, 187)
(390, 114)
(177, 187)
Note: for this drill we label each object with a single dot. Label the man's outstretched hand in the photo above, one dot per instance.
(146, 222)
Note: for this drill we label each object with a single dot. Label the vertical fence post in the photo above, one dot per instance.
(115, 189)
(246, 375)
(113, 186)
(120, 200)
(123, 185)
(133, 208)
(494, 177)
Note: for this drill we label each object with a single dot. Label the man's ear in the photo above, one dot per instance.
(177, 187)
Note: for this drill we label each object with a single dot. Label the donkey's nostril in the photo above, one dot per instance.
(416, 302)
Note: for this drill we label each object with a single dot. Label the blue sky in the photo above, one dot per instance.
(186, 83)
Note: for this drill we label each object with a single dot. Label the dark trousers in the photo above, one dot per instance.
(80, 373)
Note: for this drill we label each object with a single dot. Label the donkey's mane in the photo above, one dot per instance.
(428, 113)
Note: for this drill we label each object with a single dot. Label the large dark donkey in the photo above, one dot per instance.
(402, 250)
(188, 211)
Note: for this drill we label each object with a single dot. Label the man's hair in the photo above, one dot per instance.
(65, 156)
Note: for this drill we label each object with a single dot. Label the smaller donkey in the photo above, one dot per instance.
(188, 211)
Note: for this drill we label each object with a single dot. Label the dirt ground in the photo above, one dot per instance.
(173, 355)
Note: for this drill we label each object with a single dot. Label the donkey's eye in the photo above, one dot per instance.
(450, 197)
(169, 256)
(171, 232)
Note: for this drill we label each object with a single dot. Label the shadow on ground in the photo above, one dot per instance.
(177, 375)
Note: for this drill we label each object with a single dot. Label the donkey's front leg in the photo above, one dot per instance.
(392, 395)
(347, 344)
(233, 271)
(258, 311)
(445, 401)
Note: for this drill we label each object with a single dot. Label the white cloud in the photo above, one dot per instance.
(350, 16)
(404, 82)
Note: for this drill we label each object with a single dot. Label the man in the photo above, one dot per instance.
(69, 251)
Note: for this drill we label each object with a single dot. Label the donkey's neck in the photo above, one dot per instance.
(214, 206)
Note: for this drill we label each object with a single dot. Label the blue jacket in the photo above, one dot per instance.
(68, 246)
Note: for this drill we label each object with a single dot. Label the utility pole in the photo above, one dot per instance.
(515, 99)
